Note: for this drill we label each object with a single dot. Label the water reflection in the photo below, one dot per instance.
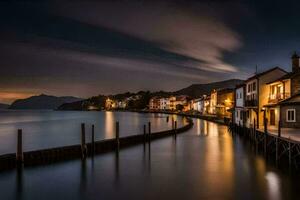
(109, 124)
(273, 183)
(212, 167)
(19, 183)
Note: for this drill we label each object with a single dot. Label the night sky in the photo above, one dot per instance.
(90, 48)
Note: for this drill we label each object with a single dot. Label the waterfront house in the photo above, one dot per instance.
(206, 105)
(196, 104)
(283, 99)
(154, 103)
(164, 103)
(239, 111)
(221, 101)
(257, 93)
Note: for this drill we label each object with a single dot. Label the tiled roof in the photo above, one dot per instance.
(265, 72)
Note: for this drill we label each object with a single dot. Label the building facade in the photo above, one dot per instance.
(239, 111)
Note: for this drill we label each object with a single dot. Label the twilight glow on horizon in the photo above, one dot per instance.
(104, 47)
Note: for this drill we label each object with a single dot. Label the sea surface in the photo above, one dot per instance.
(206, 162)
(45, 128)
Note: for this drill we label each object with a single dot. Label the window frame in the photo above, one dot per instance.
(294, 115)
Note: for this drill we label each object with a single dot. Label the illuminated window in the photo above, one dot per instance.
(291, 115)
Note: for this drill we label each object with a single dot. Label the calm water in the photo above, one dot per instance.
(45, 129)
(204, 163)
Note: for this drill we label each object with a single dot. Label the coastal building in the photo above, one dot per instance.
(206, 105)
(172, 100)
(283, 98)
(164, 103)
(239, 111)
(154, 103)
(196, 104)
(221, 101)
(110, 104)
(257, 94)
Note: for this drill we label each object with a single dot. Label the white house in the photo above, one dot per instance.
(239, 116)
(164, 103)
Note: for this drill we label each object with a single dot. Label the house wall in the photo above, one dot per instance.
(225, 101)
(295, 84)
(264, 90)
(213, 102)
(286, 124)
(239, 97)
(239, 116)
(250, 92)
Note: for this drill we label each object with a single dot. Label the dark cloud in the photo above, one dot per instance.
(84, 48)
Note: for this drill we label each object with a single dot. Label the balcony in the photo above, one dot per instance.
(251, 103)
(275, 98)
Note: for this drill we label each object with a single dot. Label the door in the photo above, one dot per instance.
(272, 117)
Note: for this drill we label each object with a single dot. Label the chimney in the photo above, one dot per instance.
(296, 62)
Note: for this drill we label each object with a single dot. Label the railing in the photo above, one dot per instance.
(275, 98)
(251, 103)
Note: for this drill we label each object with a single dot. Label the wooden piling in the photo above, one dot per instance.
(83, 145)
(175, 129)
(277, 150)
(290, 153)
(145, 133)
(149, 131)
(279, 128)
(19, 155)
(117, 136)
(93, 139)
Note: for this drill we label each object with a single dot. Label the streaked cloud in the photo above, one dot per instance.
(198, 35)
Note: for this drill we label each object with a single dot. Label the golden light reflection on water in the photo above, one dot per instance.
(219, 150)
(109, 124)
(273, 183)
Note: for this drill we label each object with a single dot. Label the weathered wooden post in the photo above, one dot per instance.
(117, 136)
(19, 156)
(83, 145)
(175, 129)
(255, 136)
(290, 153)
(276, 150)
(149, 131)
(93, 139)
(145, 133)
(172, 123)
(279, 128)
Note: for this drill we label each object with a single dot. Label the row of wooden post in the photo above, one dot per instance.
(84, 149)
(277, 141)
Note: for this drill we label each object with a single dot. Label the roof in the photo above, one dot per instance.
(295, 99)
(265, 72)
(284, 77)
(240, 85)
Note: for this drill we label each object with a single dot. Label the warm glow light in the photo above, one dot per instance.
(9, 97)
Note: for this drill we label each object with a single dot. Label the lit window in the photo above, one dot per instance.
(291, 115)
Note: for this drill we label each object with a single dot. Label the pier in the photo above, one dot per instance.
(281, 150)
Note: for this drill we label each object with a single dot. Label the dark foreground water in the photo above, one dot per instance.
(46, 129)
(204, 163)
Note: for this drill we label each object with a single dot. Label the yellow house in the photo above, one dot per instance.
(257, 94)
(282, 97)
